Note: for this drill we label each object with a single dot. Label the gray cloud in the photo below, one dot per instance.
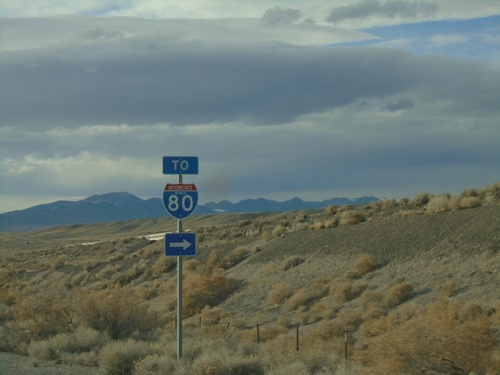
(147, 80)
(94, 113)
(280, 16)
(389, 8)
(399, 105)
(154, 79)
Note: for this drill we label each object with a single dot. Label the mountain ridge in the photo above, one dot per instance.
(121, 206)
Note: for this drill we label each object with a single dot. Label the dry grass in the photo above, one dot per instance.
(398, 294)
(448, 336)
(364, 264)
(291, 261)
(351, 217)
(280, 293)
(118, 313)
(206, 289)
(119, 358)
(93, 304)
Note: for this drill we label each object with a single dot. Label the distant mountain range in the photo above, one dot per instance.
(124, 206)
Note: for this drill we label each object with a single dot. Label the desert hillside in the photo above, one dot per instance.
(391, 287)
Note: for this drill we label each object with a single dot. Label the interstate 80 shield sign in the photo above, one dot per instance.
(180, 200)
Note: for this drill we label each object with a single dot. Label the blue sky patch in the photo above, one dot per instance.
(472, 39)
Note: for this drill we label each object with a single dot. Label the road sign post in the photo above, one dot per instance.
(180, 201)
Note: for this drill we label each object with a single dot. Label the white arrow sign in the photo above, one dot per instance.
(184, 244)
(180, 244)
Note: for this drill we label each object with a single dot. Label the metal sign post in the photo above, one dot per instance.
(179, 289)
(180, 201)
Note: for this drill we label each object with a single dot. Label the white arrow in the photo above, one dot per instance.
(184, 244)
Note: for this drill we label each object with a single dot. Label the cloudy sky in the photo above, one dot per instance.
(278, 99)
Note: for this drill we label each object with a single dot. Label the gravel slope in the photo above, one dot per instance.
(12, 364)
(424, 250)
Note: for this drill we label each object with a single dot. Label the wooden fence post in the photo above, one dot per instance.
(345, 345)
(297, 346)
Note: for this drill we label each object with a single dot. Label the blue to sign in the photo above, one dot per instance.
(180, 244)
(180, 200)
(180, 165)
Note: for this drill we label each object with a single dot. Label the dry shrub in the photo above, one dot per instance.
(404, 213)
(299, 227)
(215, 259)
(280, 293)
(235, 257)
(163, 265)
(364, 264)
(377, 326)
(265, 333)
(300, 298)
(420, 200)
(330, 210)
(155, 364)
(284, 321)
(344, 290)
(449, 288)
(492, 193)
(135, 270)
(305, 318)
(207, 289)
(42, 350)
(212, 315)
(349, 318)
(320, 287)
(146, 291)
(454, 203)
(323, 310)
(91, 264)
(328, 330)
(317, 225)
(387, 204)
(5, 275)
(448, 337)
(43, 314)
(403, 202)
(332, 223)
(472, 193)
(230, 365)
(119, 357)
(437, 204)
(108, 271)
(279, 231)
(291, 261)
(5, 313)
(118, 313)
(58, 262)
(398, 294)
(351, 217)
(70, 346)
(288, 368)
(371, 303)
(470, 202)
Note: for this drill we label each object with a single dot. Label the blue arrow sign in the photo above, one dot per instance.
(180, 244)
(180, 165)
